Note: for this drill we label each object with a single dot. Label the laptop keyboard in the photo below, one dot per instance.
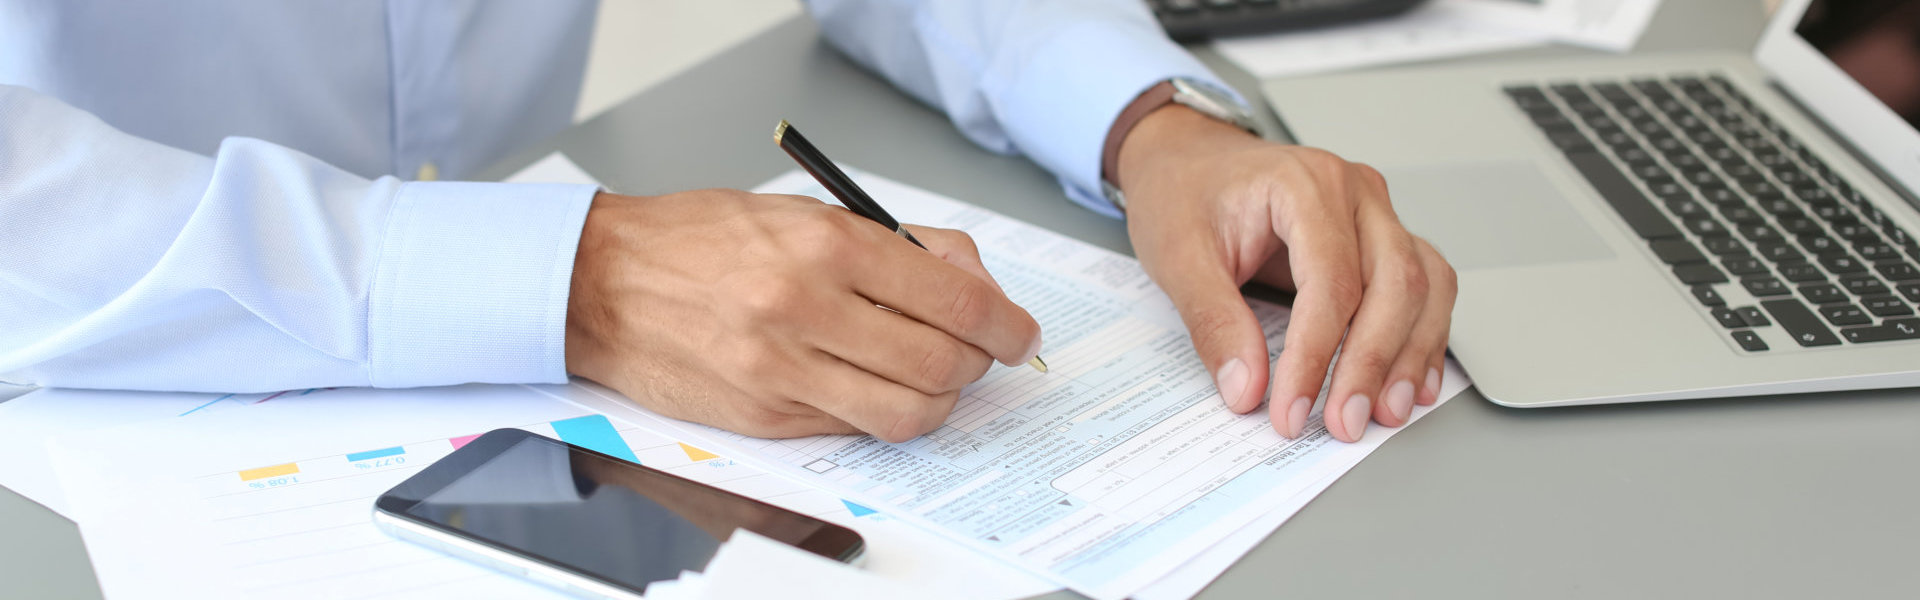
(1729, 200)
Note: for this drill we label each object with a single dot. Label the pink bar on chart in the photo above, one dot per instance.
(463, 440)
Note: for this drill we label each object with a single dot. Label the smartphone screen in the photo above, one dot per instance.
(602, 517)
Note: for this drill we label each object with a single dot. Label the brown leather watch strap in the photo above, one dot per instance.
(1155, 97)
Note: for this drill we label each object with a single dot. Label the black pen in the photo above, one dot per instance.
(849, 193)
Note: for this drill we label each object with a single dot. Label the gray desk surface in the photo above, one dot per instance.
(1759, 497)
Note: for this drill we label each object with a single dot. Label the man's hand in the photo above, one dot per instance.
(761, 314)
(1211, 207)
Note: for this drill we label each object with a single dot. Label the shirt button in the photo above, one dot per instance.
(428, 172)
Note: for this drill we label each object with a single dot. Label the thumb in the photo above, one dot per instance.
(1225, 332)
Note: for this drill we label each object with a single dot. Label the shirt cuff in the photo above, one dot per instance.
(472, 284)
(1059, 106)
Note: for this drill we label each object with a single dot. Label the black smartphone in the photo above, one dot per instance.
(582, 521)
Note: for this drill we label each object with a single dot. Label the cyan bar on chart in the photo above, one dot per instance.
(596, 433)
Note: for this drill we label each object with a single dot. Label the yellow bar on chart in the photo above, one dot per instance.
(273, 471)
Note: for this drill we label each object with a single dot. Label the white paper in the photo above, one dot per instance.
(167, 512)
(1201, 570)
(28, 421)
(1442, 29)
(1438, 29)
(1105, 474)
(751, 567)
(1613, 25)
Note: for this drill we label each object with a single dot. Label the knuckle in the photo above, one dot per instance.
(939, 368)
(822, 237)
(1410, 276)
(769, 300)
(759, 420)
(1344, 290)
(1212, 328)
(1367, 361)
(967, 307)
(964, 242)
(759, 359)
(905, 425)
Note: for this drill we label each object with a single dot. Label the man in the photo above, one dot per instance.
(276, 264)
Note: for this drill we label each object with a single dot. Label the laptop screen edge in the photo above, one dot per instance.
(1835, 98)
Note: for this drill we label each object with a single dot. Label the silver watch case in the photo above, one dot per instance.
(1206, 99)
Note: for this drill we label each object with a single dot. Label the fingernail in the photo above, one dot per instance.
(1433, 383)
(1297, 416)
(1400, 400)
(1355, 415)
(1232, 383)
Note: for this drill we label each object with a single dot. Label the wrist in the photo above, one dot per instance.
(1167, 136)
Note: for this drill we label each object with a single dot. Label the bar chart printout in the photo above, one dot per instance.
(290, 516)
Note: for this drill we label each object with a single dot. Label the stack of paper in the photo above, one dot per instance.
(1118, 474)
(1444, 28)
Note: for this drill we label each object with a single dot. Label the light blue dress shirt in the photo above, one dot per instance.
(198, 196)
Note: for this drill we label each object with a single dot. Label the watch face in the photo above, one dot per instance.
(1212, 102)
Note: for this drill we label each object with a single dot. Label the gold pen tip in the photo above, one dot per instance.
(1037, 364)
(779, 131)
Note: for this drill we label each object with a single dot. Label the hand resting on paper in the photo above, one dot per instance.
(1211, 207)
(760, 314)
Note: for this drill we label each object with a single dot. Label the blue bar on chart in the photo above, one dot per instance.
(373, 454)
(596, 433)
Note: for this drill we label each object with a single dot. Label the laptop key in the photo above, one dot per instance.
(1896, 271)
(1744, 266)
(1853, 230)
(1569, 141)
(1705, 226)
(1823, 293)
(1697, 273)
(1910, 290)
(1886, 306)
(1674, 251)
(1749, 341)
(1724, 246)
(1778, 206)
(1891, 330)
(1799, 225)
(1875, 252)
(1759, 233)
(1800, 323)
(1762, 286)
(1743, 216)
(1820, 244)
(1863, 285)
(1707, 296)
(1801, 272)
(1841, 264)
(1640, 214)
(1753, 317)
(1728, 318)
(1779, 252)
(1845, 314)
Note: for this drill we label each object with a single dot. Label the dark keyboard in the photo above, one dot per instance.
(1736, 207)
(1188, 20)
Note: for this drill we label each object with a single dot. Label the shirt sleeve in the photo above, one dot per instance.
(1043, 79)
(133, 265)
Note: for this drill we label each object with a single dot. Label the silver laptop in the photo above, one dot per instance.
(1662, 227)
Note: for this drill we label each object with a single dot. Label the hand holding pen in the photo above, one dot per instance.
(757, 313)
(831, 177)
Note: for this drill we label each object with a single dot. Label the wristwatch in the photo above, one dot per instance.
(1184, 91)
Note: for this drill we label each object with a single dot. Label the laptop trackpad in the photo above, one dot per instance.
(1498, 214)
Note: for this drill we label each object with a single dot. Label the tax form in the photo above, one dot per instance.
(1104, 474)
